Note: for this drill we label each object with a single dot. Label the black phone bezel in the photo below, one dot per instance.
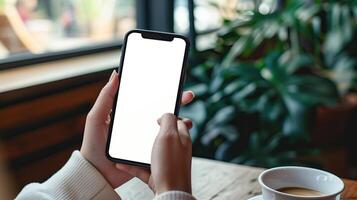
(156, 35)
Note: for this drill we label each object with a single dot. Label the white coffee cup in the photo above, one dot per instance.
(281, 177)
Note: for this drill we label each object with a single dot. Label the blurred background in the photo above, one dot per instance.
(275, 80)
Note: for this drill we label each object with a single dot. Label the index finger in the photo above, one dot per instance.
(168, 123)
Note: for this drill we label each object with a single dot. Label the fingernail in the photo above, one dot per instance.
(193, 94)
(112, 76)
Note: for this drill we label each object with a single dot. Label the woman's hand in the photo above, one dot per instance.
(96, 133)
(171, 156)
(170, 159)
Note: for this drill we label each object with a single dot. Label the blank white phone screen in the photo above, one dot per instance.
(148, 88)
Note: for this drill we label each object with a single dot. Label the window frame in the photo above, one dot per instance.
(147, 17)
(193, 33)
(24, 59)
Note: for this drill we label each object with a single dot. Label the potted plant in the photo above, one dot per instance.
(259, 89)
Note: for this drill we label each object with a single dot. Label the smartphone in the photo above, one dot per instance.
(152, 72)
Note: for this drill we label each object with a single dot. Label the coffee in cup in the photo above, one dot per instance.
(299, 191)
(299, 183)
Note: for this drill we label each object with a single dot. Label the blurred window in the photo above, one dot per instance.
(209, 16)
(32, 29)
(42, 26)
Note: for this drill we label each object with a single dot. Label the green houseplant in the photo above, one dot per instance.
(259, 87)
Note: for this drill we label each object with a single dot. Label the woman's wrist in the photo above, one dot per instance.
(165, 187)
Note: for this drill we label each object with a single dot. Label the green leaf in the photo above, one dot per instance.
(247, 90)
(332, 46)
(216, 83)
(222, 116)
(216, 97)
(283, 34)
(312, 90)
(232, 87)
(271, 29)
(199, 89)
(273, 143)
(298, 62)
(240, 159)
(347, 24)
(229, 133)
(200, 73)
(316, 25)
(295, 124)
(222, 151)
(196, 111)
(246, 72)
(235, 51)
(344, 74)
(336, 13)
(272, 64)
(272, 110)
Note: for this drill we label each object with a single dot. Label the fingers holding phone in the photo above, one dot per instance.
(170, 159)
(171, 156)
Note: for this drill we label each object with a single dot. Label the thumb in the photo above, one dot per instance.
(104, 103)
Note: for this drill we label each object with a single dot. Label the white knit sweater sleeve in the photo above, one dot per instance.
(77, 179)
(174, 195)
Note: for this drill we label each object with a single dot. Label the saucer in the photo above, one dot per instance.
(259, 197)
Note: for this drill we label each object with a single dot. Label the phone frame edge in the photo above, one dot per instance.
(179, 92)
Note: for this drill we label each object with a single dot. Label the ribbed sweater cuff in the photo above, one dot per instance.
(78, 179)
(176, 195)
